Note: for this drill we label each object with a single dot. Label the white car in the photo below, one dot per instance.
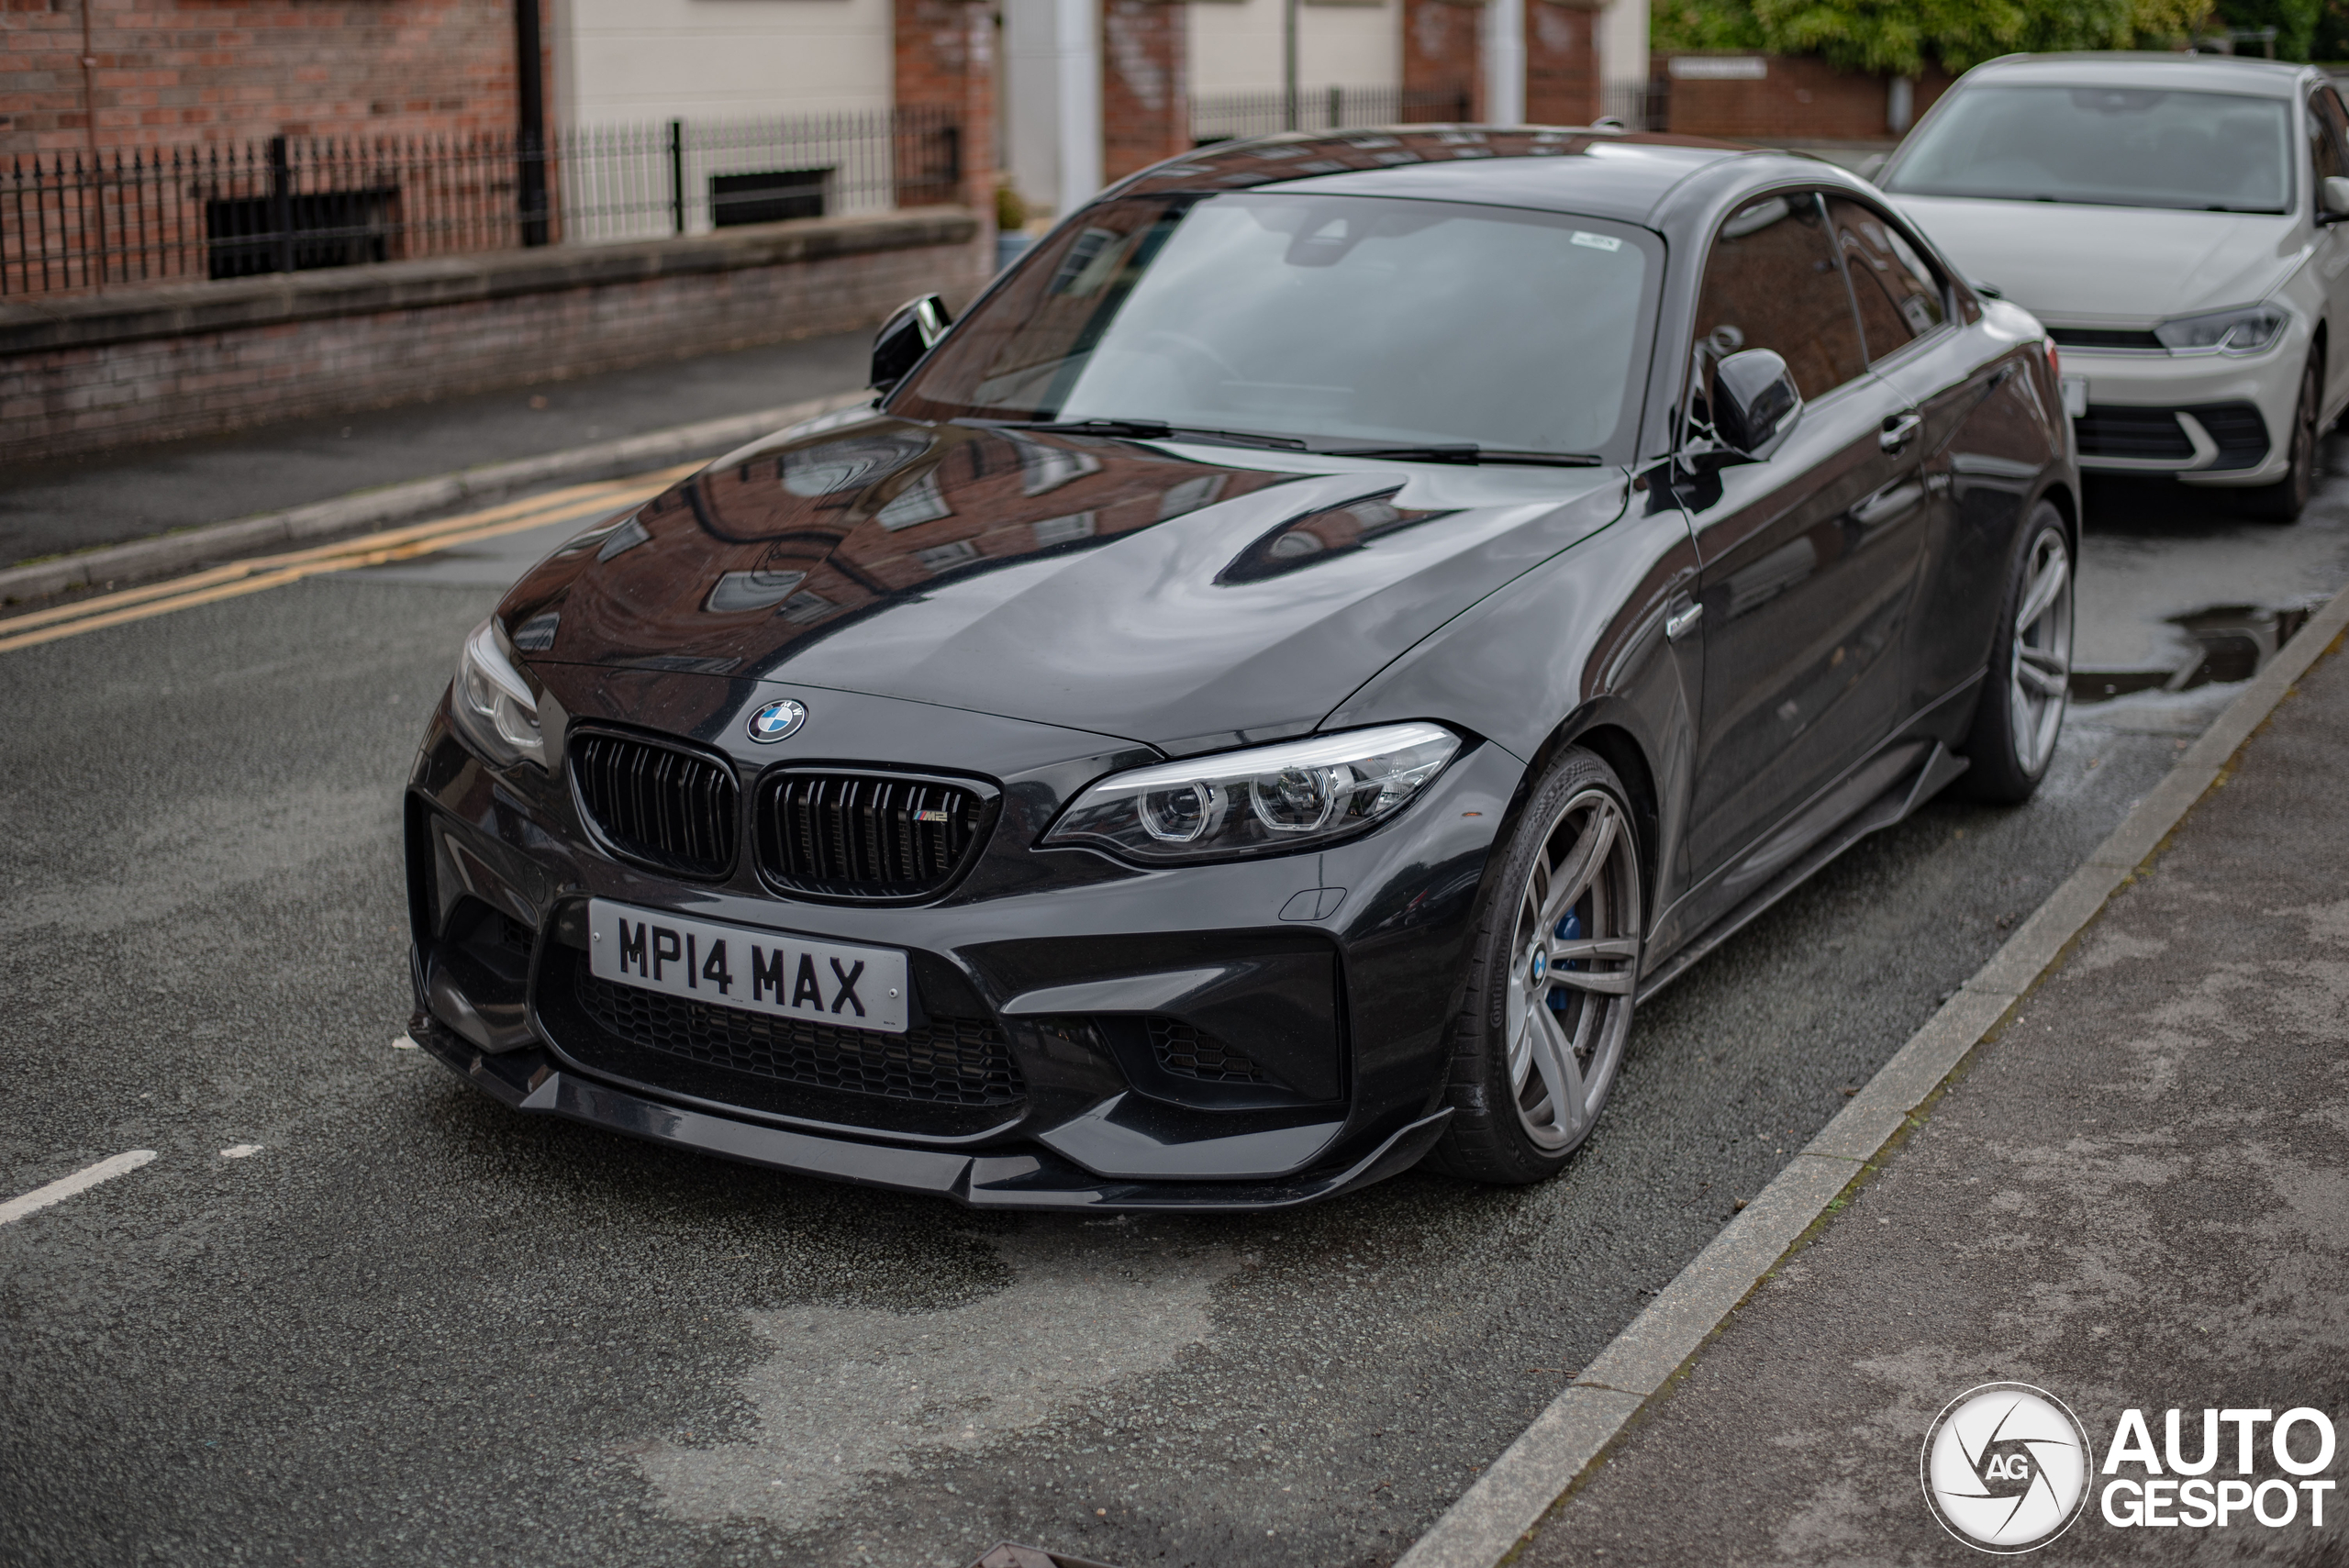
(2174, 221)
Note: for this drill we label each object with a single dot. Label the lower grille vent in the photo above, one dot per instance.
(951, 1061)
(2106, 431)
(673, 809)
(1187, 1052)
(2239, 431)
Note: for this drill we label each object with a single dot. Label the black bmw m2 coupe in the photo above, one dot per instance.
(1257, 704)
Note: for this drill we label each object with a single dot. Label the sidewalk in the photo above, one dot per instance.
(2134, 1196)
(108, 498)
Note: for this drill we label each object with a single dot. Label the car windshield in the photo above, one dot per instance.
(2104, 146)
(1330, 319)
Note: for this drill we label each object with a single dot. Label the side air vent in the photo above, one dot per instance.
(869, 835)
(675, 809)
(1187, 1052)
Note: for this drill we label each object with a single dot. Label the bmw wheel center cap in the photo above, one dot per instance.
(778, 721)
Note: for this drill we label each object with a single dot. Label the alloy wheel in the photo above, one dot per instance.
(1573, 968)
(2039, 667)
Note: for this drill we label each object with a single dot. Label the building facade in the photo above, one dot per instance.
(1062, 95)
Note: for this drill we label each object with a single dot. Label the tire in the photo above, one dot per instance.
(2027, 686)
(2283, 501)
(1529, 1077)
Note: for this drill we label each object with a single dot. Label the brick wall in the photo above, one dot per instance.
(172, 72)
(1796, 99)
(199, 359)
(945, 57)
(1561, 81)
(1146, 85)
(1440, 52)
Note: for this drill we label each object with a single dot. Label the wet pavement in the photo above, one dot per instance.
(414, 1327)
(2134, 1197)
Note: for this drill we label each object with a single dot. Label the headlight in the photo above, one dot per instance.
(1298, 795)
(491, 704)
(2244, 332)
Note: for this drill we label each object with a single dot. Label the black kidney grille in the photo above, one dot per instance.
(673, 808)
(1184, 1050)
(954, 1062)
(869, 835)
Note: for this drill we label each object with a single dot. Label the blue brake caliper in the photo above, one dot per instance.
(1569, 929)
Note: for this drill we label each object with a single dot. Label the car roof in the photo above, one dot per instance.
(2181, 73)
(1624, 175)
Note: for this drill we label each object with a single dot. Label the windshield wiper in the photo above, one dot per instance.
(1154, 430)
(1469, 451)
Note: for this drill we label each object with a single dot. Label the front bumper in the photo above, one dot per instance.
(1353, 953)
(2205, 420)
(531, 1081)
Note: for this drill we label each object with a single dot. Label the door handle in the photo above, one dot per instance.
(1681, 620)
(1899, 430)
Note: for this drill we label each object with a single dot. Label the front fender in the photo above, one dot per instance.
(1577, 642)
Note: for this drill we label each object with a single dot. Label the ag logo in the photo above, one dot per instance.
(2005, 1467)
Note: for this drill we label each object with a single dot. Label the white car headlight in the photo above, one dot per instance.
(493, 705)
(1270, 800)
(2247, 331)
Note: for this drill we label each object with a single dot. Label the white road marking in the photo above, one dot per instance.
(239, 1150)
(64, 1187)
(405, 1043)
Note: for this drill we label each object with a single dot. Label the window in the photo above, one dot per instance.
(1314, 317)
(1772, 283)
(1899, 294)
(2107, 146)
(2327, 131)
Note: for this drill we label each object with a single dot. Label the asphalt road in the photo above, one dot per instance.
(107, 497)
(413, 1328)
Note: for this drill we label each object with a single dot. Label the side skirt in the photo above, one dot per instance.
(1903, 796)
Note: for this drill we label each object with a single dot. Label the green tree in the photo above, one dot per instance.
(2296, 23)
(1898, 36)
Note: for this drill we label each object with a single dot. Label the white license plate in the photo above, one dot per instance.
(2076, 395)
(741, 967)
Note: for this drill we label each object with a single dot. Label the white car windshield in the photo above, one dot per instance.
(2104, 146)
(1320, 318)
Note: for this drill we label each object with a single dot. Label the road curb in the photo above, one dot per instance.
(138, 560)
(1538, 1472)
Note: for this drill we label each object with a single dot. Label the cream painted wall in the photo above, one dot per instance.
(637, 61)
(1236, 46)
(1623, 43)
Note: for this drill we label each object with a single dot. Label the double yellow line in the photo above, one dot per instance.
(576, 504)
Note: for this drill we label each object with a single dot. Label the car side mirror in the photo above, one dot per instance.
(2336, 198)
(1753, 402)
(905, 337)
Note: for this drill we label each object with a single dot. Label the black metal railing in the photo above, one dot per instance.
(1225, 116)
(82, 220)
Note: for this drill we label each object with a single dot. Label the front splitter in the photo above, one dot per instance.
(527, 1080)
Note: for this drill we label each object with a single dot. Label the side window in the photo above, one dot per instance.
(1772, 283)
(1899, 294)
(2327, 131)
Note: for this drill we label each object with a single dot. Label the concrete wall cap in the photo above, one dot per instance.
(178, 309)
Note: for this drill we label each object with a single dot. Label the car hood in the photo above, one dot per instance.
(2122, 265)
(1183, 596)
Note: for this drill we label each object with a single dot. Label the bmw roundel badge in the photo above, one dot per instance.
(778, 721)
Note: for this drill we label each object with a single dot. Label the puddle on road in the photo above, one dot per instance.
(2218, 646)
(849, 1395)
